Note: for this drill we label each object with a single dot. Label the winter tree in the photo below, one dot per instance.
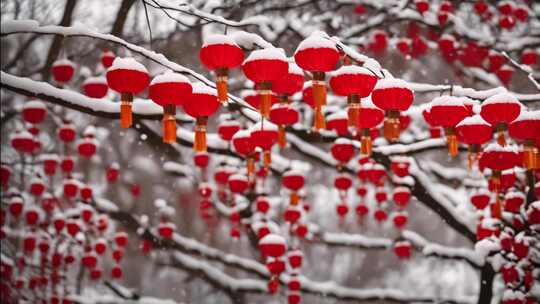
(244, 151)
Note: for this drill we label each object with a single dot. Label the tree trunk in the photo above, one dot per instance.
(121, 16)
(486, 284)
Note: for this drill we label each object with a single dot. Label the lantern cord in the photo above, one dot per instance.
(148, 22)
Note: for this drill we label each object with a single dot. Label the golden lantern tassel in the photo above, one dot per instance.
(199, 144)
(319, 123)
(500, 138)
(250, 166)
(391, 127)
(530, 156)
(452, 142)
(169, 124)
(319, 89)
(126, 118)
(267, 158)
(496, 210)
(367, 145)
(282, 138)
(221, 84)
(294, 198)
(354, 111)
(265, 94)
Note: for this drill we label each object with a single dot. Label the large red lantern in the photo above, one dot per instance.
(393, 96)
(317, 55)
(371, 117)
(169, 90)
(447, 112)
(63, 71)
(500, 110)
(220, 53)
(127, 77)
(95, 87)
(264, 67)
(354, 82)
(474, 131)
(34, 111)
(264, 135)
(203, 103)
(526, 128)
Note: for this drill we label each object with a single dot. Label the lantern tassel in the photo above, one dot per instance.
(282, 138)
(250, 166)
(453, 145)
(366, 146)
(266, 103)
(126, 118)
(267, 158)
(391, 129)
(319, 123)
(530, 157)
(496, 209)
(500, 138)
(319, 92)
(294, 198)
(169, 124)
(199, 144)
(222, 89)
(354, 114)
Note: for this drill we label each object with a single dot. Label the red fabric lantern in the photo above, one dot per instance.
(67, 132)
(400, 166)
(87, 146)
(63, 70)
(220, 53)
(318, 55)
(238, 183)
(343, 182)
(264, 67)
(37, 186)
(495, 60)
(403, 46)
(202, 104)
(480, 198)
(521, 13)
(166, 230)
(273, 245)
(393, 96)
(290, 83)
(400, 220)
(480, 7)
(499, 110)
(95, 87)
(371, 117)
(474, 131)
(16, 206)
(505, 74)
(116, 272)
(34, 111)
(283, 115)
(22, 142)
(401, 197)
(127, 77)
(227, 129)
(169, 90)
(529, 57)
(342, 150)
(447, 112)
(67, 164)
(338, 122)
(264, 135)
(422, 6)
(513, 201)
(526, 128)
(71, 187)
(262, 204)
(378, 41)
(107, 59)
(293, 180)
(201, 159)
(403, 249)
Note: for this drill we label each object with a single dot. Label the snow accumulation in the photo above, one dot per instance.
(272, 239)
(447, 100)
(96, 80)
(263, 125)
(295, 69)
(315, 41)
(337, 115)
(250, 40)
(174, 167)
(352, 70)
(501, 98)
(201, 88)
(293, 172)
(389, 83)
(528, 115)
(63, 62)
(169, 77)
(238, 177)
(405, 148)
(473, 120)
(218, 39)
(343, 141)
(34, 104)
(484, 247)
(356, 240)
(266, 54)
(127, 63)
(495, 147)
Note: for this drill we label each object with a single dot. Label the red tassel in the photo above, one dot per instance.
(126, 117)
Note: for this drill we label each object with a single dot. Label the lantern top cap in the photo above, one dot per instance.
(108, 53)
(501, 98)
(168, 77)
(266, 54)
(218, 39)
(238, 176)
(337, 115)
(263, 125)
(342, 141)
(352, 70)
(95, 79)
(447, 100)
(481, 191)
(401, 189)
(392, 83)
(201, 88)
(64, 61)
(495, 147)
(514, 194)
(241, 134)
(127, 63)
(34, 104)
(315, 41)
(273, 239)
(448, 37)
(293, 172)
(22, 135)
(229, 123)
(473, 120)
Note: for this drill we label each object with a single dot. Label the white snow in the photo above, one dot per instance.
(389, 83)
(34, 104)
(473, 120)
(95, 80)
(501, 98)
(447, 100)
(201, 88)
(169, 77)
(127, 63)
(218, 39)
(63, 62)
(316, 40)
(352, 70)
(267, 54)
(263, 125)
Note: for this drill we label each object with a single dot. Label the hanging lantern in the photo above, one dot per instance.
(227, 129)
(447, 112)
(338, 122)
(107, 58)
(371, 116)
(342, 150)
(264, 67)
(400, 220)
(220, 53)
(201, 159)
(500, 110)
(62, 71)
(243, 145)
(378, 41)
(264, 135)
(22, 142)
(393, 96)
(513, 201)
(169, 90)
(127, 77)
(293, 180)
(526, 128)
(34, 111)
(289, 84)
(317, 55)
(166, 229)
(480, 198)
(474, 131)
(422, 6)
(283, 115)
(403, 46)
(112, 173)
(403, 249)
(87, 146)
(495, 60)
(37, 186)
(66, 133)
(529, 57)
(238, 183)
(400, 165)
(95, 87)
(273, 245)
(354, 82)
(202, 104)
(66, 164)
(505, 74)
(401, 196)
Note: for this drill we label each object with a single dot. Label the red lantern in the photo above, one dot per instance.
(283, 115)
(63, 70)
(292, 214)
(422, 6)
(100, 246)
(227, 129)
(16, 206)
(480, 7)
(67, 132)
(342, 150)
(295, 258)
(112, 173)
(67, 164)
(220, 53)
(238, 183)
(201, 159)
(202, 104)
(500, 110)
(403, 249)
(380, 215)
(393, 96)
(401, 197)
(318, 55)
(169, 90)
(50, 161)
(513, 201)
(371, 117)
(32, 216)
(442, 17)
(71, 187)
(474, 131)
(480, 198)
(400, 165)
(34, 112)
(87, 146)
(293, 180)
(264, 67)
(526, 128)
(447, 112)
(378, 41)
(505, 74)
(290, 83)
(342, 182)
(95, 87)
(403, 46)
(400, 220)
(264, 135)
(37, 186)
(127, 77)
(116, 272)
(529, 57)
(166, 230)
(495, 60)
(22, 142)
(338, 122)
(121, 239)
(446, 6)
(521, 13)
(273, 245)
(262, 204)
(107, 58)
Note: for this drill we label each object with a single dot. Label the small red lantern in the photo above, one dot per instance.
(529, 57)
(37, 186)
(526, 128)
(371, 117)
(422, 6)
(238, 183)
(63, 71)
(264, 135)
(166, 230)
(378, 41)
(480, 198)
(505, 74)
(107, 59)
(22, 142)
(273, 245)
(50, 162)
(127, 77)
(401, 197)
(293, 180)
(112, 173)
(500, 110)
(264, 67)
(227, 129)
(513, 201)
(403, 249)
(100, 246)
(403, 45)
(201, 159)
(87, 146)
(16, 206)
(262, 204)
(169, 90)
(283, 115)
(34, 111)
(289, 84)
(220, 53)
(95, 87)
(338, 122)
(480, 7)
(67, 132)
(474, 131)
(400, 220)
(202, 104)
(66, 164)
(342, 150)
(447, 112)
(71, 187)
(116, 272)
(495, 60)
(393, 96)
(318, 55)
